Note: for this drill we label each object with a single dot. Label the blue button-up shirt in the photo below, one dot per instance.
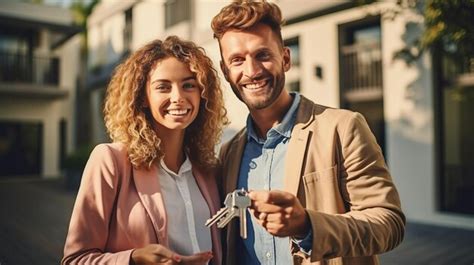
(263, 168)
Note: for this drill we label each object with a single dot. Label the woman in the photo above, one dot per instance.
(144, 198)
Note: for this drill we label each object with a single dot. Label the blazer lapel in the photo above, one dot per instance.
(233, 163)
(231, 174)
(208, 188)
(148, 188)
(300, 137)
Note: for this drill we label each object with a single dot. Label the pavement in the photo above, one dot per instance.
(35, 215)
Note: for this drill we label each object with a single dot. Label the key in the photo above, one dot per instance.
(236, 204)
(222, 212)
(242, 201)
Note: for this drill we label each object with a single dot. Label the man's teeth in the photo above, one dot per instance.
(178, 112)
(256, 85)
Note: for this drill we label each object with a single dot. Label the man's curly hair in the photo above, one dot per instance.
(128, 121)
(244, 14)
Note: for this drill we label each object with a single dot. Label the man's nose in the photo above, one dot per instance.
(253, 69)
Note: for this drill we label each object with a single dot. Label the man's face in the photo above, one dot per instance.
(254, 63)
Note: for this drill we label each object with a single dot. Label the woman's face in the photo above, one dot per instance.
(172, 95)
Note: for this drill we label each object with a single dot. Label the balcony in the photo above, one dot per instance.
(29, 76)
(458, 73)
(361, 66)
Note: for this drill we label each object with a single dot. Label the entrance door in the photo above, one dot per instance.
(20, 148)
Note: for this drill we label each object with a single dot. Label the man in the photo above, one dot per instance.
(320, 189)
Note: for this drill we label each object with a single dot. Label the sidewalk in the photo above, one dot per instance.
(35, 216)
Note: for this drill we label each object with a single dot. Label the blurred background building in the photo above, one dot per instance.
(344, 54)
(39, 66)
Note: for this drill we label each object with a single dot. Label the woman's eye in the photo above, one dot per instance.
(189, 85)
(162, 88)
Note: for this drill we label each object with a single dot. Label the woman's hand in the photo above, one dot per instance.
(158, 254)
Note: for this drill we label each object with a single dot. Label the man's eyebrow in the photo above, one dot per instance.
(259, 50)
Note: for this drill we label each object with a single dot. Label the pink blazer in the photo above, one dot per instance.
(119, 208)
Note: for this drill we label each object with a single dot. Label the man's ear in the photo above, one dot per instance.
(225, 70)
(286, 59)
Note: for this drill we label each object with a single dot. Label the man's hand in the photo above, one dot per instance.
(159, 254)
(280, 213)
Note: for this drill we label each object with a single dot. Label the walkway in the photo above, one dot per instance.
(35, 216)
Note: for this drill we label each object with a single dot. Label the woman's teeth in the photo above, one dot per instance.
(178, 112)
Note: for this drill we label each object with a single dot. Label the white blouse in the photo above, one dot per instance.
(186, 209)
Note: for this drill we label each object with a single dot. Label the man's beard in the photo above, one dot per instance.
(277, 85)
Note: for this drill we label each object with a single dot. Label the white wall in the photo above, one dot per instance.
(69, 72)
(148, 22)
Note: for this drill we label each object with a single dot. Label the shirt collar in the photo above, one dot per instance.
(283, 128)
(185, 167)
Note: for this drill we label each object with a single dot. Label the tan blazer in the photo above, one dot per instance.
(337, 170)
(119, 208)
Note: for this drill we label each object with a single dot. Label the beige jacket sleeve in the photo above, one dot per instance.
(374, 222)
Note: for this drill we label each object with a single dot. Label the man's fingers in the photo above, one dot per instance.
(272, 197)
(270, 201)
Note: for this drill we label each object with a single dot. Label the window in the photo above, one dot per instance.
(455, 130)
(360, 72)
(128, 31)
(294, 46)
(294, 86)
(176, 11)
(20, 148)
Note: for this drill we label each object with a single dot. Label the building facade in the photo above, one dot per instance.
(39, 63)
(342, 56)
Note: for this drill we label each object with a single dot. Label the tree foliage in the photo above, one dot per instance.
(447, 25)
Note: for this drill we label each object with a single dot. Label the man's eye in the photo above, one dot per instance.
(264, 56)
(236, 61)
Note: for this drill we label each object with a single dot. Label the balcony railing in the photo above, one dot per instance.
(458, 72)
(361, 66)
(21, 68)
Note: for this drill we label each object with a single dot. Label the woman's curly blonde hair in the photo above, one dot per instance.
(129, 122)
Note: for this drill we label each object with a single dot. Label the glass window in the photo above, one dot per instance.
(294, 86)
(294, 46)
(456, 134)
(176, 11)
(20, 148)
(128, 33)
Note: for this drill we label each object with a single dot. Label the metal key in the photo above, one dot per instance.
(222, 212)
(236, 204)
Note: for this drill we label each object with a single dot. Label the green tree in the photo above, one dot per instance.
(447, 26)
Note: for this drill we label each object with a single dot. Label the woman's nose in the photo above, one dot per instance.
(176, 95)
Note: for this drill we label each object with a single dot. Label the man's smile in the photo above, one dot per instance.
(256, 85)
